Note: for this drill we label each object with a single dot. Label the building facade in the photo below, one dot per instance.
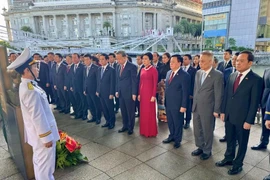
(86, 21)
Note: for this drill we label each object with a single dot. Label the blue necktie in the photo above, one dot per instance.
(102, 72)
(203, 77)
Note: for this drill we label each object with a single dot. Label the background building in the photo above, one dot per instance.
(93, 23)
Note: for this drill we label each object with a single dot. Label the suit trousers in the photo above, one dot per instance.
(233, 133)
(44, 162)
(175, 123)
(116, 105)
(72, 100)
(203, 125)
(137, 106)
(189, 110)
(265, 131)
(68, 101)
(127, 106)
(62, 99)
(81, 104)
(94, 106)
(55, 97)
(108, 110)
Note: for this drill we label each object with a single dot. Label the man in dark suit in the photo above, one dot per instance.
(114, 65)
(241, 101)
(106, 90)
(156, 63)
(52, 92)
(59, 81)
(227, 61)
(126, 77)
(77, 87)
(226, 74)
(69, 94)
(267, 124)
(208, 95)
(43, 75)
(265, 132)
(90, 89)
(139, 69)
(177, 93)
(192, 72)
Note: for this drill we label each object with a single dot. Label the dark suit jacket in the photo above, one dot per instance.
(51, 70)
(221, 67)
(126, 84)
(115, 65)
(241, 106)
(226, 74)
(192, 72)
(77, 78)
(68, 77)
(90, 81)
(266, 87)
(59, 78)
(106, 84)
(44, 74)
(177, 92)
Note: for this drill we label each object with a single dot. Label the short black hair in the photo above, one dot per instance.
(112, 54)
(105, 55)
(45, 56)
(237, 53)
(95, 59)
(59, 55)
(88, 55)
(76, 55)
(156, 53)
(189, 56)
(50, 53)
(229, 51)
(250, 55)
(178, 57)
(11, 54)
(37, 54)
(149, 55)
(82, 55)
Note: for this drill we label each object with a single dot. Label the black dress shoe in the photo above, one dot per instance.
(137, 115)
(111, 127)
(78, 117)
(186, 126)
(62, 111)
(235, 170)
(177, 145)
(267, 177)
(197, 152)
(116, 111)
(122, 130)
(92, 120)
(84, 118)
(105, 125)
(166, 141)
(98, 121)
(205, 156)
(67, 112)
(259, 147)
(224, 162)
(223, 139)
(72, 114)
(130, 132)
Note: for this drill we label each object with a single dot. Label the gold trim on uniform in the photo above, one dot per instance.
(45, 134)
(267, 112)
(30, 86)
(33, 62)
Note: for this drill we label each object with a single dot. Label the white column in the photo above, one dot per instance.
(78, 25)
(143, 21)
(67, 26)
(44, 25)
(101, 21)
(155, 20)
(114, 23)
(55, 27)
(90, 24)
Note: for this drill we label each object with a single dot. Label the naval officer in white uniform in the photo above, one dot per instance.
(40, 128)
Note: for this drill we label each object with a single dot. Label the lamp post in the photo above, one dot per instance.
(201, 47)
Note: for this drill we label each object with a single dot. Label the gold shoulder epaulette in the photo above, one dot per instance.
(30, 86)
(267, 112)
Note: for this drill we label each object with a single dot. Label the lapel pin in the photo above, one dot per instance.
(246, 78)
(209, 76)
(177, 74)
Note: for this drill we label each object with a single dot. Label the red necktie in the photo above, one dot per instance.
(122, 68)
(236, 82)
(170, 80)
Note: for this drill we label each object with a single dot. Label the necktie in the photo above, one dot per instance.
(102, 72)
(87, 71)
(203, 77)
(236, 82)
(57, 67)
(75, 67)
(122, 68)
(225, 64)
(68, 68)
(138, 69)
(170, 80)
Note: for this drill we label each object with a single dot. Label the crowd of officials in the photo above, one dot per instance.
(177, 85)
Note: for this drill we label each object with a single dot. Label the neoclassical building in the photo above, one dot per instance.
(85, 20)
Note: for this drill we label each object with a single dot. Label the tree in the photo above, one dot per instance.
(186, 26)
(178, 29)
(198, 30)
(208, 43)
(7, 45)
(193, 29)
(26, 29)
(106, 25)
(232, 42)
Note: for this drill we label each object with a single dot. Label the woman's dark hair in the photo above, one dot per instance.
(167, 54)
(149, 55)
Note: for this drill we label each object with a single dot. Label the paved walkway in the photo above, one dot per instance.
(120, 156)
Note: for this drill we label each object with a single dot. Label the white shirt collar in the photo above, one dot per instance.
(140, 65)
(244, 73)
(176, 71)
(28, 80)
(105, 66)
(60, 63)
(125, 63)
(89, 66)
(208, 71)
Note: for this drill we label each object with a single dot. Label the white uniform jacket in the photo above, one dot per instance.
(39, 122)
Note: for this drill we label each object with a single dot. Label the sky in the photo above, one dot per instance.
(3, 3)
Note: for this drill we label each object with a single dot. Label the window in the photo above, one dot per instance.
(51, 21)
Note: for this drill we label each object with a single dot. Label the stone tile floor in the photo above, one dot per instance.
(120, 156)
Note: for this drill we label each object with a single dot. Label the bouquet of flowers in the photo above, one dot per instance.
(68, 151)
